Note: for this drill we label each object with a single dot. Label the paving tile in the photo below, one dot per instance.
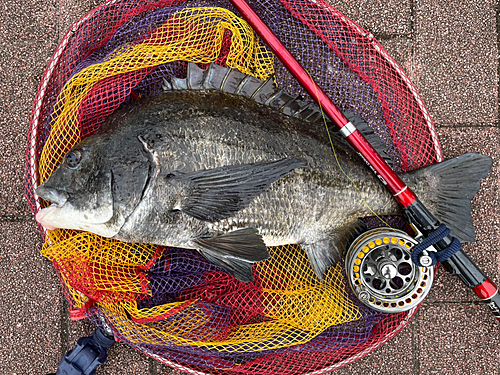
(30, 323)
(457, 339)
(71, 11)
(388, 17)
(122, 359)
(166, 370)
(394, 357)
(485, 210)
(27, 40)
(456, 60)
(400, 49)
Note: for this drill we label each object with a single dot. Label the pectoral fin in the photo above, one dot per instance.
(235, 251)
(325, 253)
(217, 193)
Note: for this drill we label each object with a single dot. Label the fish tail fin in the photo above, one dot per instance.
(447, 189)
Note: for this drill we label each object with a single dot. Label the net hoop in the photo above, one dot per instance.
(33, 150)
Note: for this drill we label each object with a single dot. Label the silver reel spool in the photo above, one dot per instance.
(382, 274)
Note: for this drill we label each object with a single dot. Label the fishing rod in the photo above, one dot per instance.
(436, 235)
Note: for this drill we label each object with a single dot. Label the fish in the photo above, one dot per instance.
(230, 165)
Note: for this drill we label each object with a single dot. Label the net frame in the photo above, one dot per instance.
(32, 152)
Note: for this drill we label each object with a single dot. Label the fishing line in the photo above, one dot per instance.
(338, 163)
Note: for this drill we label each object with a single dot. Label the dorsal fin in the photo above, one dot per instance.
(235, 82)
(264, 92)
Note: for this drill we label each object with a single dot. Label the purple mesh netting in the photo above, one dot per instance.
(182, 275)
(180, 270)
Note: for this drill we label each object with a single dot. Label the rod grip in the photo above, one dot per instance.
(462, 266)
(458, 264)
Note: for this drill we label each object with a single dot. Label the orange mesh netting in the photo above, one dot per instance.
(171, 303)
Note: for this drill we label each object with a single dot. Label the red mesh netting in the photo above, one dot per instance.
(170, 303)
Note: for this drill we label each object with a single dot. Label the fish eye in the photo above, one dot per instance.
(73, 158)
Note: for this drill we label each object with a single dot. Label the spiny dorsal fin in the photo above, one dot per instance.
(264, 92)
(178, 83)
(195, 77)
(235, 82)
(375, 141)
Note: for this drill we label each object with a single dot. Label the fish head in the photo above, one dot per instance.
(96, 186)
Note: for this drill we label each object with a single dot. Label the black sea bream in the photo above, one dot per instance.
(222, 173)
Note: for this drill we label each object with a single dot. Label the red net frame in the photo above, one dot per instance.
(407, 127)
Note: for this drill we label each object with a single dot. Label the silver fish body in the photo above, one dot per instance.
(223, 174)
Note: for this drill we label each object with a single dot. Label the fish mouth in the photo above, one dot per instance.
(58, 197)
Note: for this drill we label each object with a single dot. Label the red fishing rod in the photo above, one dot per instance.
(459, 263)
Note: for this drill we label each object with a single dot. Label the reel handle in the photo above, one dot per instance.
(458, 264)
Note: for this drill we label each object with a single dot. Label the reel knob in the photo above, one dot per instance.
(381, 273)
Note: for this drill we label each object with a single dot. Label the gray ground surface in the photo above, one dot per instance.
(449, 49)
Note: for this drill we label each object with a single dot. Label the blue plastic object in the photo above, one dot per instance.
(432, 239)
(89, 353)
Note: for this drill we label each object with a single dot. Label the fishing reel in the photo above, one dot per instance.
(381, 273)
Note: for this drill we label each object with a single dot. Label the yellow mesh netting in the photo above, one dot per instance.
(296, 307)
(94, 264)
(193, 34)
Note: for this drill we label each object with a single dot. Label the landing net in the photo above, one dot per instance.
(171, 303)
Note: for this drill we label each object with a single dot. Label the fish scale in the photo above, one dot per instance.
(226, 175)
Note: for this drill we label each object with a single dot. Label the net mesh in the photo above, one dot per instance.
(171, 303)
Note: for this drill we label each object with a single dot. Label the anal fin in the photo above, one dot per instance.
(240, 269)
(326, 253)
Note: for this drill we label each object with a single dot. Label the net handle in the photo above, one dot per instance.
(459, 264)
